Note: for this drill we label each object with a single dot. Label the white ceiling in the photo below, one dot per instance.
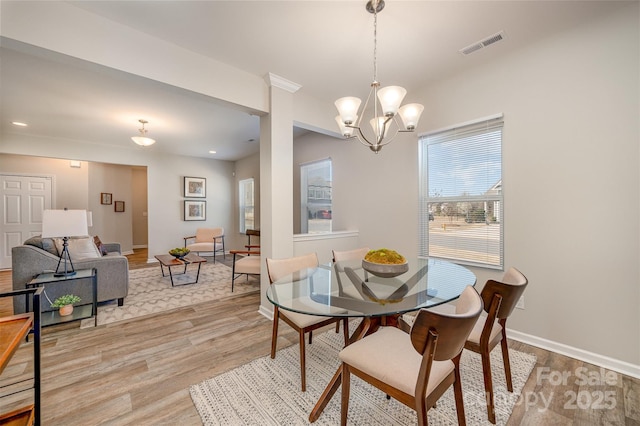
(325, 46)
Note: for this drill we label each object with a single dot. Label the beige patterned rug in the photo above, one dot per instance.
(150, 292)
(267, 391)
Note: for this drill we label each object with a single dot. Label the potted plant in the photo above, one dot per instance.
(65, 303)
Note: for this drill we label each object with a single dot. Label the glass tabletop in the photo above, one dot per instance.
(346, 289)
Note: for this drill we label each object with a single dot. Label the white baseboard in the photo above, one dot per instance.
(613, 364)
(141, 246)
(265, 312)
(127, 252)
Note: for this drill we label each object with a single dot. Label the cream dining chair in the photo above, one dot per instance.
(344, 255)
(415, 368)
(302, 323)
(500, 298)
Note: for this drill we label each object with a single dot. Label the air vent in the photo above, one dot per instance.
(487, 41)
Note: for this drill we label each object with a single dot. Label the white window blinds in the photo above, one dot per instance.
(461, 195)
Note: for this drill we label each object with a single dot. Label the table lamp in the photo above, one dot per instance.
(64, 224)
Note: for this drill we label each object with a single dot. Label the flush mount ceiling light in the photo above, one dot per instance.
(142, 139)
(386, 104)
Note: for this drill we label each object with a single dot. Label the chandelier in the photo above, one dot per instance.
(143, 139)
(385, 109)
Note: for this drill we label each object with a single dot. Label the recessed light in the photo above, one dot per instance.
(19, 123)
(212, 152)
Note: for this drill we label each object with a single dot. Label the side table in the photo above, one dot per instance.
(82, 311)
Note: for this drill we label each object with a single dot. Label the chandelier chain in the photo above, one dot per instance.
(375, 44)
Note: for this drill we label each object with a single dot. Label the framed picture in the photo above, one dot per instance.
(195, 187)
(195, 210)
(105, 198)
(119, 206)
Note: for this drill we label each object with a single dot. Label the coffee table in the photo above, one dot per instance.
(169, 261)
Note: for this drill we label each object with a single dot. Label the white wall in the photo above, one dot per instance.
(376, 194)
(571, 183)
(71, 185)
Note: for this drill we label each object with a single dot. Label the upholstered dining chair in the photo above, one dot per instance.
(500, 298)
(207, 240)
(302, 323)
(415, 368)
(343, 255)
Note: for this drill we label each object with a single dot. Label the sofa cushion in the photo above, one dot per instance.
(46, 244)
(79, 248)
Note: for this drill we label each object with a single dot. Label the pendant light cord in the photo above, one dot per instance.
(375, 42)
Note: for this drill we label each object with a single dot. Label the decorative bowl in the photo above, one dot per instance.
(385, 270)
(179, 253)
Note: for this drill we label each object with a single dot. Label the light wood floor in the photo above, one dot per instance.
(138, 372)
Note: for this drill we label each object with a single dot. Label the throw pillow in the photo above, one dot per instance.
(79, 248)
(101, 247)
(43, 243)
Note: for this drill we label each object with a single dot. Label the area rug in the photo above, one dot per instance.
(150, 292)
(267, 391)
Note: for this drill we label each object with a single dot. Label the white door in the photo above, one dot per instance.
(22, 201)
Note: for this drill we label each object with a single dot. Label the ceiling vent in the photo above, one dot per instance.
(487, 41)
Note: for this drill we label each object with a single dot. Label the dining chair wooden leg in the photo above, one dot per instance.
(303, 370)
(310, 336)
(337, 326)
(488, 385)
(505, 358)
(345, 330)
(274, 333)
(457, 392)
(344, 403)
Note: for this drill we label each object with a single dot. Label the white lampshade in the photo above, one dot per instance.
(344, 130)
(376, 125)
(348, 109)
(390, 98)
(64, 223)
(410, 114)
(143, 140)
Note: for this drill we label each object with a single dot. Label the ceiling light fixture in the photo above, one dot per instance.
(19, 123)
(142, 139)
(386, 104)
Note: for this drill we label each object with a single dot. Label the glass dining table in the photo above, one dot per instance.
(345, 289)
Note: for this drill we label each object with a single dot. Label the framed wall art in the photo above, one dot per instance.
(119, 206)
(105, 198)
(195, 210)
(195, 187)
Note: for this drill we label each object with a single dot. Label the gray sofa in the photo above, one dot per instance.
(112, 269)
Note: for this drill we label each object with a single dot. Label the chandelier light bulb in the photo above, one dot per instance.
(348, 109)
(390, 98)
(410, 114)
(347, 132)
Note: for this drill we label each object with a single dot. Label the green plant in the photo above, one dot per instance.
(67, 299)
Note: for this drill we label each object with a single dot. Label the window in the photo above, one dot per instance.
(246, 205)
(461, 193)
(315, 184)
